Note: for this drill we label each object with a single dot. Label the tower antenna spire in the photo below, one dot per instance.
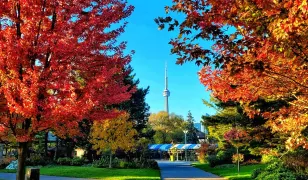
(166, 92)
(166, 76)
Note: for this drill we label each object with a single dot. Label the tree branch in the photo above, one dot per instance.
(287, 77)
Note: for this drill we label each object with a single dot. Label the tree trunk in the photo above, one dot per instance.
(22, 155)
(46, 144)
(56, 149)
(89, 153)
(70, 148)
(238, 162)
(1, 150)
(110, 161)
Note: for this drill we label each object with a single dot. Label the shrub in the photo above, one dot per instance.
(212, 149)
(101, 163)
(64, 161)
(274, 171)
(222, 157)
(123, 164)
(297, 161)
(202, 152)
(120, 163)
(251, 162)
(37, 160)
(255, 173)
(301, 176)
(268, 159)
(76, 161)
(220, 154)
(132, 165)
(225, 156)
(213, 160)
(149, 163)
(144, 163)
(115, 162)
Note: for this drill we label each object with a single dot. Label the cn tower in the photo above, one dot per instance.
(166, 92)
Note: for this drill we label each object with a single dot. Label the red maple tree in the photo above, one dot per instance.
(259, 52)
(59, 63)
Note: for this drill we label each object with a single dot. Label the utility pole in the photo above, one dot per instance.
(185, 132)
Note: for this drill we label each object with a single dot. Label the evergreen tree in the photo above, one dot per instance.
(192, 131)
(136, 105)
(231, 114)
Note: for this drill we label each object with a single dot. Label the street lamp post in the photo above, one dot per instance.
(185, 132)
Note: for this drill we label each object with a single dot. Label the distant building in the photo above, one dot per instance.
(51, 137)
(201, 136)
(201, 128)
(198, 126)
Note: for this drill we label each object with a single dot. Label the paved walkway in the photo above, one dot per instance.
(12, 176)
(182, 170)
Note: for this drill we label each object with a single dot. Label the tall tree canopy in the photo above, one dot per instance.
(136, 106)
(168, 128)
(59, 62)
(259, 52)
(111, 135)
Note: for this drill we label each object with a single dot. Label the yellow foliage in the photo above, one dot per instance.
(218, 132)
(113, 134)
(161, 121)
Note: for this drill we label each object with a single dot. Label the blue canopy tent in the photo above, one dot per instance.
(179, 148)
(167, 147)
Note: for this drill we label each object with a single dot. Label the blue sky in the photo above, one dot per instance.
(152, 52)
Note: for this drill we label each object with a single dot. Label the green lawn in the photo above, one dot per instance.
(99, 173)
(231, 172)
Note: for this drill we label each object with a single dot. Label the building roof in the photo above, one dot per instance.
(200, 135)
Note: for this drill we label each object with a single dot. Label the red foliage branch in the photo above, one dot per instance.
(59, 63)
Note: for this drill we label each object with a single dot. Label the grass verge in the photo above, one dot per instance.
(98, 173)
(230, 172)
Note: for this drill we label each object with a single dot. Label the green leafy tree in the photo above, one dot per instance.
(168, 128)
(231, 114)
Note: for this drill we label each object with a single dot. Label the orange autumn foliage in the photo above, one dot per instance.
(259, 51)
